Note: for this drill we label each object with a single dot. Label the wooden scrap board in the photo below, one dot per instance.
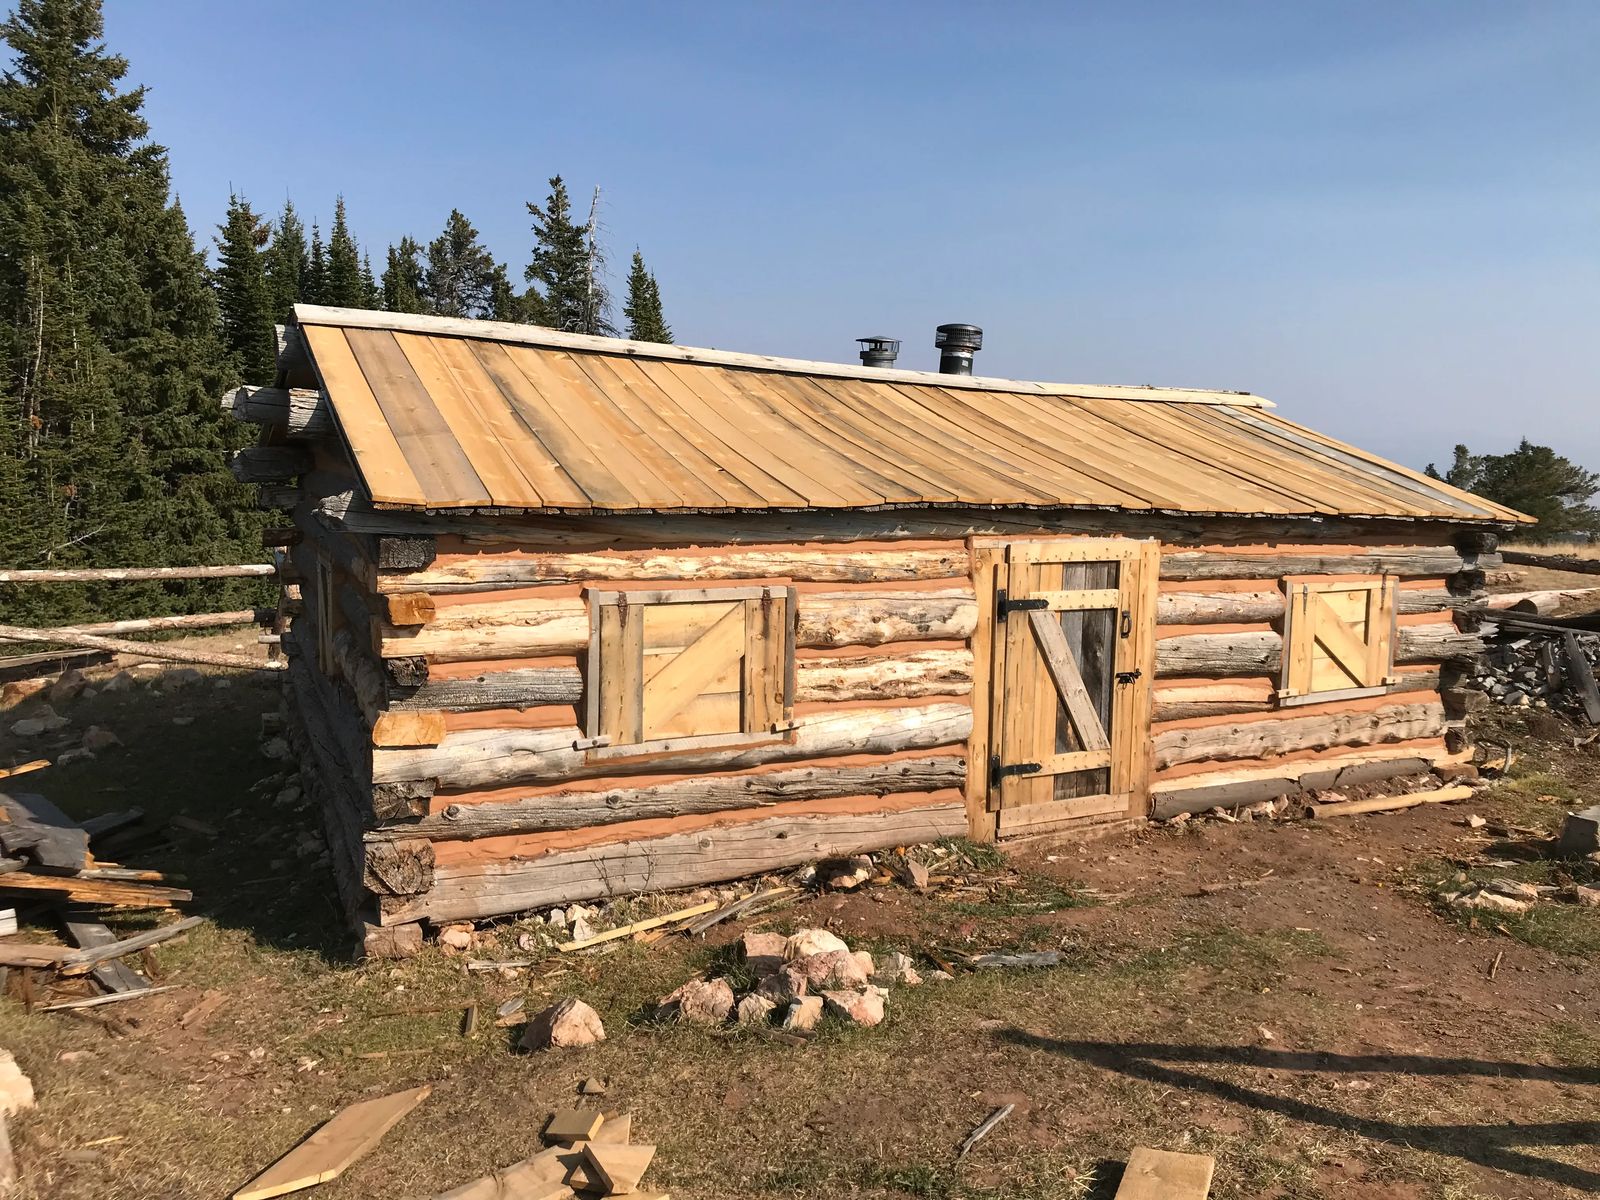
(328, 1152)
(1165, 1175)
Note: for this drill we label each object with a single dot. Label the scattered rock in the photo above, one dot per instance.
(914, 874)
(1580, 833)
(863, 1008)
(1475, 822)
(180, 677)
(528, 941)
(701, 1002)
(120, 682)
(46, 721)
(275, 748)
(456, 937)
(813, 941)
(864, 961)
(898, 968)
(842, 874)
(1513, 888)
(69, 685)
(833, 968)
(97, 738)
(940, 976)
(558, 918)
(569, 1023)
(756, 1009)
(1458, 772)
(803, 1014)
(18, 690)
(1493, 902)
(16, 1089)
(1588, 897)
(72, 1056)
(764, 952)
(591, 1087)
(783, 985)
(580, 931)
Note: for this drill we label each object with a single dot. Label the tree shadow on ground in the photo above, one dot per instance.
(1488, 1145)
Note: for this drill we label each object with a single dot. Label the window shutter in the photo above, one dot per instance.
(1338, 636)
(702, 663)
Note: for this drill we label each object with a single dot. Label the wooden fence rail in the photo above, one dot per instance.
(137, 574)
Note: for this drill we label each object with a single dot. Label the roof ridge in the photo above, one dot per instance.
(555, 339)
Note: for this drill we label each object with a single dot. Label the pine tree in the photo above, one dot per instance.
(461, 276)
(1531, 479)
(565, 266)
(110, 360)
(343, 284)
(369, 283)
(643, 309)
(315, 288)
(287, 264)
(402, 278)
(242, 293)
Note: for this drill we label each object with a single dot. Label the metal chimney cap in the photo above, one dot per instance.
(879, 351)
(880, 342)
(957, 336)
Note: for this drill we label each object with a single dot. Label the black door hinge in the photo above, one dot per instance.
(1004, 605)
(999, 771)
(1129, 676)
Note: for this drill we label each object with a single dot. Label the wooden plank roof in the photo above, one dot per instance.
(441, 413)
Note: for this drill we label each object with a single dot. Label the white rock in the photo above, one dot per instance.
(97, 738)
(456, 937)
(179, 677)
(580, 931)
(813, 941)
(756, 1009)
(16, 1089)
(803, 1014)
(78, 754)
(862, 1008)
(701, 1001)
(569, 1023)
(120, 682)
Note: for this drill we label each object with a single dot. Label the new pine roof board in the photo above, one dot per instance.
(441, 413)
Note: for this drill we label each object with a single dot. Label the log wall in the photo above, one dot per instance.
(438, 667)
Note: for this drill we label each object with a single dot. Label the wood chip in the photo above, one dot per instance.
(618, 1167)
(573, 1125)
(1164, 1175)
(328, 1152)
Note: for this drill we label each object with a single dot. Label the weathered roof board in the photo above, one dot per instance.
(442, 413)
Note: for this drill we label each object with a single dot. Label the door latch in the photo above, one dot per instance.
(1129, 676)
(1004, 605)
(999, 771)
(1127, 622)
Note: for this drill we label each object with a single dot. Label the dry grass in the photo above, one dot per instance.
(1152, 1032)
(1571, 549)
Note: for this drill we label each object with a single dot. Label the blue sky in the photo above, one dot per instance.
(1384, 217)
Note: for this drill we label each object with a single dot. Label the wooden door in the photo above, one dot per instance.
(1074, 651)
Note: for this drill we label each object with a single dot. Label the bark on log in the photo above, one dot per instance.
(1282, 735)
(1260, 653)
(479, 759)
(269, 464)
(702, 794)
(1250, 608)
(527, 628)
(401, 867)
(1390, 560)
(1553, 562)
(166, 651)
(137, 574)
(294, 412)
(810, 565)
(665, 863)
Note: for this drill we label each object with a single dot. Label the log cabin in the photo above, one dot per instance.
(580, 616)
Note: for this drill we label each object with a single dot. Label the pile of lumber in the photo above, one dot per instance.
(47, 866)
(587, 1154)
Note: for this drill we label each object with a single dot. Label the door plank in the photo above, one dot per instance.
(1063, 668)
(694, 667)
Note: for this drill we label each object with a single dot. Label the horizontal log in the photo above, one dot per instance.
(243, 616)
(856, 677)
(136, 574)
(1541, 603)
(1553, 562)
(1236, 697)
(1385, 560)
(166, 651)
(596, 532)
(294, 412)
(701, 856)
(482, 759)
(1280, 735)
(1249, 608)
(702, 794)
(1282, 780)
(1260, 652)
(525, 627)
(803, 564)
(1376, 804)
(269, 464)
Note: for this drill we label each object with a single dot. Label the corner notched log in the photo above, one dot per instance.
(269, 464)
(398, 868)
(293, 412)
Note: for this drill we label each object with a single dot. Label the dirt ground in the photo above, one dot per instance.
(1324, 1025)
